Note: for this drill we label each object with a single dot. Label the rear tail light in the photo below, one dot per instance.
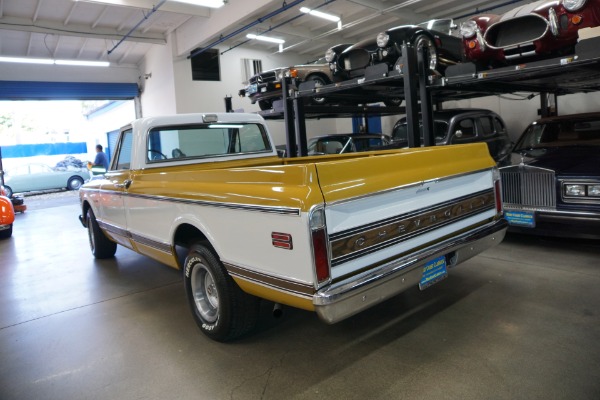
(319, 245)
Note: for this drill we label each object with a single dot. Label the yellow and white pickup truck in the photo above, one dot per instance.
(332, 234)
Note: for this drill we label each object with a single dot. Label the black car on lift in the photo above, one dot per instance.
(464, 125)
(553, 185)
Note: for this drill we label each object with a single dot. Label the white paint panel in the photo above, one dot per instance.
(343, 216)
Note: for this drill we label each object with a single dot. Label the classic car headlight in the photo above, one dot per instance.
(575, 190)
(581, 191)
(282, 74)
(594, 190)
(329, 55)
(383, 39)
(573, 5)
(468, 29)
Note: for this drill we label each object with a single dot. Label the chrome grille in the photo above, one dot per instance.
(264, 77)
(528, 188)
(516, 31)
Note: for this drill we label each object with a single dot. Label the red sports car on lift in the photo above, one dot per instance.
(546, 28)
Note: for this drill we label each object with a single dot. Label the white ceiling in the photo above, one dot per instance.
(122, 32)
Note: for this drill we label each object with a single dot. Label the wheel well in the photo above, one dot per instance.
(185, 236)
(84, 209)
(320, 75)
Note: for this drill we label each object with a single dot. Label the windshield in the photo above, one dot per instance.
(580, 132)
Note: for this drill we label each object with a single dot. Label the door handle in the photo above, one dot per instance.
(125, 185)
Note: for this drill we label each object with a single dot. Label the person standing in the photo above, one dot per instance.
(101, 161)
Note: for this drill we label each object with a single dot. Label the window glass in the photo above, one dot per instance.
(465, 129)
(499, 125)
(124, 151)
(487, 126)
(205, 140)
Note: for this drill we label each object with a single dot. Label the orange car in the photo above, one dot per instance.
(7, 215)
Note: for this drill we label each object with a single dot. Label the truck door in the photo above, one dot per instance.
(112, 196)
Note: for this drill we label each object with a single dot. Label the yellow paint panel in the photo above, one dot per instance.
(275, 295)
(276, 185)
(167, 259)
(383, 171)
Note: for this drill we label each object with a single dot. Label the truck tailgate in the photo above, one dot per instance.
(380, 207)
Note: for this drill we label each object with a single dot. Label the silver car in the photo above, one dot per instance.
(33, 177)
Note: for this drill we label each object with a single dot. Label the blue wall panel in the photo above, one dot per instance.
(29, 90)
(45, 149)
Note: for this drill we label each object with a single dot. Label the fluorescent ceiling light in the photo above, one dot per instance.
(320, 14)
(82, 63)
(265, 38)
(203, 3)
(49, 61)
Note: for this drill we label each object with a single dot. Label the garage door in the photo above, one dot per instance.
(24, 90)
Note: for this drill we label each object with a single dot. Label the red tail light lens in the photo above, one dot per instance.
(321, 255)
(319, 243)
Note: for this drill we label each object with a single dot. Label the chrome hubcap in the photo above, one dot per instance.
(206, 295)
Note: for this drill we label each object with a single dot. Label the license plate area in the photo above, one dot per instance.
(520, 218)
(433, 272)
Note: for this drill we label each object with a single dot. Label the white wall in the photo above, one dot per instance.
(157, 82)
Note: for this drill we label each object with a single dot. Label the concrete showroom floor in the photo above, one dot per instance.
(520, 321)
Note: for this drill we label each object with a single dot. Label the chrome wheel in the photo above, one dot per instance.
(205, 293)
(424, 41)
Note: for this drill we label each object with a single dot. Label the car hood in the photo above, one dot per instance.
(569, 161)
(529, 9)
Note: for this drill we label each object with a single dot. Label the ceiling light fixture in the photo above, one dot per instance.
(48, 61)
(320, 14)
(265, 38)
(203, 3)
(280, 42)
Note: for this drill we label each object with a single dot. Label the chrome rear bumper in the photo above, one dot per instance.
(344, 299)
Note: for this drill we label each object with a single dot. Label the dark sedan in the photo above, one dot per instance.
(553, 186)
(464, 125)
(532, 31)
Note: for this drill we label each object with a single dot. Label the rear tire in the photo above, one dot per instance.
(9, 191)
(74, 183)
(220, 308)
(319, 81)
(101, 246)
(396, 102)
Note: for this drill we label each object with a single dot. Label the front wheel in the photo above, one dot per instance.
(265, 105)
(9, 191)
(425, 41)
(101, 246)
(220, 308)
